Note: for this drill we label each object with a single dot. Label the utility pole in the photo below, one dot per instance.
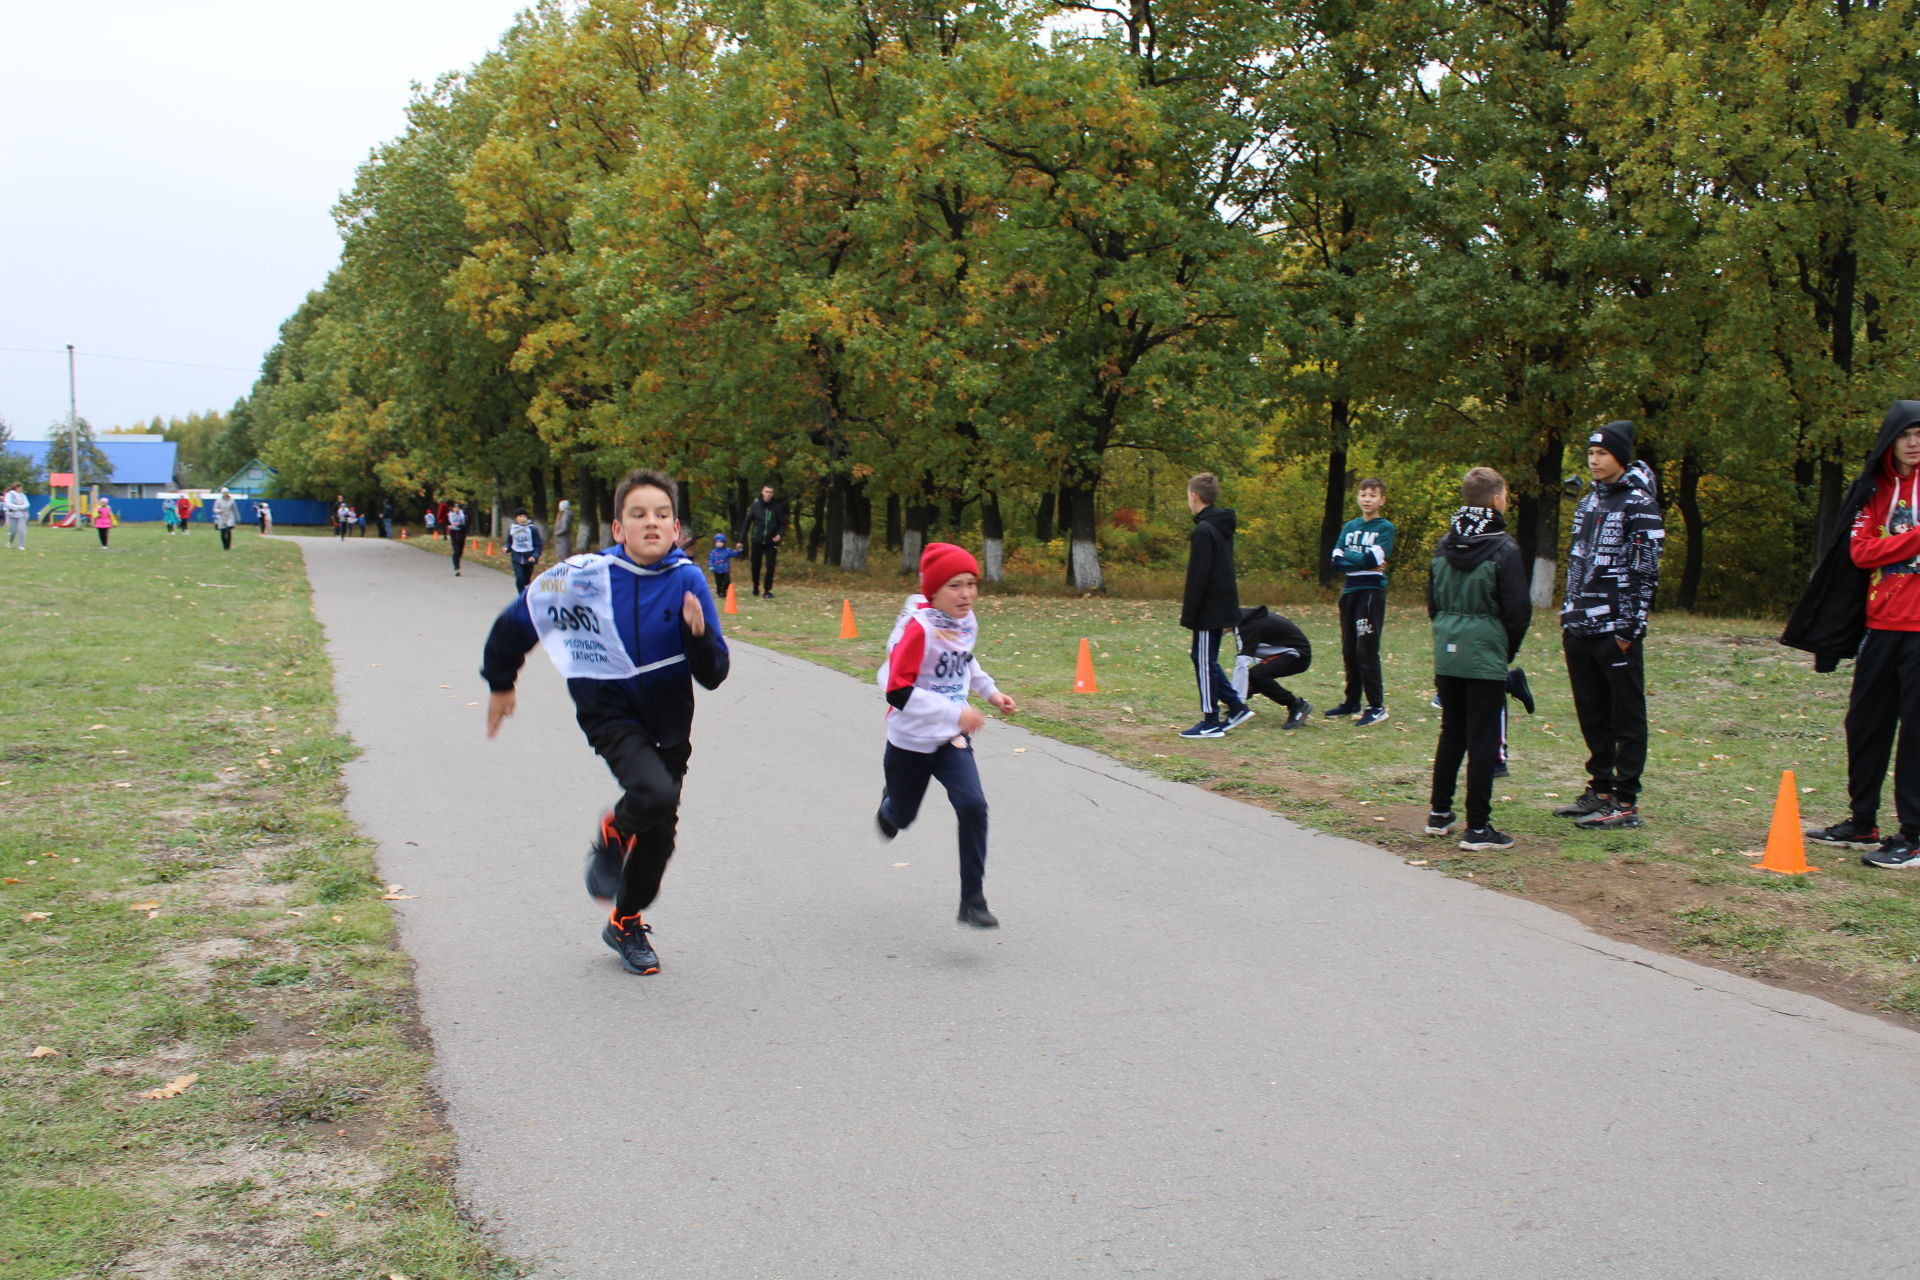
(73, 441)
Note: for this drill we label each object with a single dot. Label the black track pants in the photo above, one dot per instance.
(1362, 614)
(1883, 719)
(1610, 698)
(648, 808)
(908, 773)
(1470, 725)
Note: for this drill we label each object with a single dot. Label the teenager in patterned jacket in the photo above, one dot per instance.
(1613, 567)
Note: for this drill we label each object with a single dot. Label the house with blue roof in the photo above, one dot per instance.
(143, 465)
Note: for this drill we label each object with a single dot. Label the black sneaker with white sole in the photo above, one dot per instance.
(1205, 729)
(1372, 715)
(1344, 709)
(974, 913)
(1898, 851)
(1237, 718)
(1438, 823)
(1298, 716)
(1481, 839)
(1848, 835)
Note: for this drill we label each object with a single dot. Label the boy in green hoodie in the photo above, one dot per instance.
(1362, 551)
(1477, 599)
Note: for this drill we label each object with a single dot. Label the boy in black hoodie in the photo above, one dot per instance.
(1211, 607)
(1477, 599)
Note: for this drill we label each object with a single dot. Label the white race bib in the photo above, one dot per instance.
(572, 608)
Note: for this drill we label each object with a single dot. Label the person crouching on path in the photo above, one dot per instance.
(930, 672)
(1477, 599)
(1863, 602)
(1278, 649)
(632, 628)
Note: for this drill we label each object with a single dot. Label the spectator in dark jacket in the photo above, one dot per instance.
(1613, 567)
(766, 522)
(1477, 599)
(1276, 649)
(1211, 607)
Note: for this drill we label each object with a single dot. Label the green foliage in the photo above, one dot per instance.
(962, 255)
(59, 453)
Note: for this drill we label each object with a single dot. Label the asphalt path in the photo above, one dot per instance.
(1206, 1043)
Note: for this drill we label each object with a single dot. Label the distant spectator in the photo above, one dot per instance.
(16, 506)
(184, 505)
(226, 514)
(103, 521)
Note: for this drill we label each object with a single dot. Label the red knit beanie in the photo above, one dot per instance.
(941, 561)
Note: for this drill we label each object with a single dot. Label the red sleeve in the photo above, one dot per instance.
(903, 664)
(1868, 547)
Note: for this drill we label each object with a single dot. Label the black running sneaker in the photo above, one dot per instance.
(887, 829)
(1372, 715)
(1615, 817)
(1344, 709)
(1589, 801)
(628, 938)
(1500, 769)
(1517, 687)
(607, 860)
(1205, 729)
(973, 911)
(1237, 718)
(1481, 839)
(1899, 850)
(1848, 835)
(1439, 823)
(1298, 716)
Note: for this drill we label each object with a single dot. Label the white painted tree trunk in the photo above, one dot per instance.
(853, 551)
(1084, 558)
(1543, 574)
(995, 563)
(912, 543)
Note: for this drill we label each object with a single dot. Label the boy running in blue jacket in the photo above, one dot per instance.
(632, 628)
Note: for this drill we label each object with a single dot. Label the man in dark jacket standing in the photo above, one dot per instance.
(1477, 599)
(1211, 607)
(1613, 566)
(766, 521)
(1864, 602)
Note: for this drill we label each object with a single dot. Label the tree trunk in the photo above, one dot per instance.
(737, 511)
(537, 481)
(857, 533)
(683, 503)
(1083, 553)
(893, 522)
(1043, 519)
(914, 540)
(1832, 482)
(815, 534)
(1540, 523)
(836, 519)
(993, 536)
(1689, 503)
(1333, 507)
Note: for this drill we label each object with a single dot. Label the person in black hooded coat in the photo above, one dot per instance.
(1871, 612)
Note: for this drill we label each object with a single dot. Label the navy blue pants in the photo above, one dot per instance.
(1216, 690)
(908, 773)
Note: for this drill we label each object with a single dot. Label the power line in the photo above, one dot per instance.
(96, 355)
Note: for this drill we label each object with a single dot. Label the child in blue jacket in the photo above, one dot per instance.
(720, 564)
(631, 628)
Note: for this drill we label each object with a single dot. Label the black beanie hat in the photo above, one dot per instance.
(1616, 438)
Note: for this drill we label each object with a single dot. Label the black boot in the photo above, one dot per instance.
(973, 911)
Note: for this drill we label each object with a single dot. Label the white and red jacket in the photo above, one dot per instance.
(929, 672)
(1886, 539)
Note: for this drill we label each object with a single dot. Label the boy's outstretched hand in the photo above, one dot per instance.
(971, 719)
(1003, 703)
(696, 617)
(499, 707)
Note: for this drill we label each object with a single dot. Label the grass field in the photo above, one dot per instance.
(211, 1062)
(1729, 708)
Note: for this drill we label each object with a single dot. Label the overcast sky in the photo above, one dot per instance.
(166, 175)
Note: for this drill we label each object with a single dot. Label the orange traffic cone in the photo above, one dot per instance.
(1786, 845)
(732, 605)
(847, 630)
(1083, 681)
(403, 533)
